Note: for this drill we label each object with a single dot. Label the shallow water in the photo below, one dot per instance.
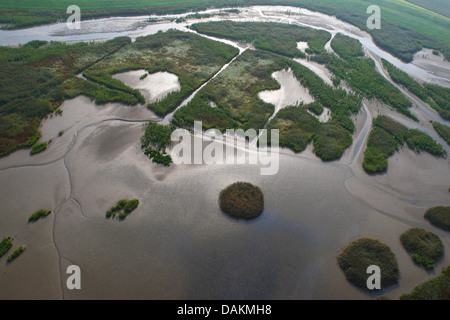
(178, 244)
(154, 87)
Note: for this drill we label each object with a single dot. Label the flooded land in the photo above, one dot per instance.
(178, 244)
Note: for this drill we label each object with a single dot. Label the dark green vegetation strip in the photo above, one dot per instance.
(439, 6)
(387, 136)
(424, 247)
(442, 130)
(16, 253)
(192, 58)
(330, 141)
(356, 256)
(39, 214)
(435, 289)
(361, 74)
(436, 96)
(122, 209)
(242, 200)
(439, 216)
(5, 245)
(405, 28)
(156, 139)
(281, 39)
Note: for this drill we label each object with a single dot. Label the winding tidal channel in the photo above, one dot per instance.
(178, 244)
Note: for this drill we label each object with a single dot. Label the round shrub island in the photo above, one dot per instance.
(242, 200)
(357, 255)
(425, 247)
(439, 216)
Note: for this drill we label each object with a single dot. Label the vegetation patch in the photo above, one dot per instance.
(442, 130)
(242, 200)
(360, 73)
(156, 139)
(281, 39)
(439, 217)
(194, 59)
(296, 128)
(38, 148)
(122, 209)
(356, 256)
(436, 96)
(425, 247)
(434, 289)
(387, 136)
(330, 141)
(5, 245)
(16, 253)
(42, 213)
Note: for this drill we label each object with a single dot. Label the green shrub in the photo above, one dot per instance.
(425, 247)
(122, 209)
(38, 148)
(419, 141)
(439, 216)
(356, 256)
(242, 200)
(39, 214)
(5, 245)
(16, 253)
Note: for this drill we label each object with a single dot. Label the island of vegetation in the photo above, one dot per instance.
(434, 289)
(122, 209)
(425, 247)
(387, 136)
(439, 217)
(154, 142)
(16, 253)
(242, 200)
(356, 256)
(5, 245)
(39, 214)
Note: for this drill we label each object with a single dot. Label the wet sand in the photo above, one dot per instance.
(181, 248)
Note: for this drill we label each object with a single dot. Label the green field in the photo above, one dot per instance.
(406, 27)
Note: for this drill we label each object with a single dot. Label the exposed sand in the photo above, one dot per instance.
(302, 46)
(435, 64)
(154, 87)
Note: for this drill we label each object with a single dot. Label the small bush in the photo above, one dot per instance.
(38, 148)
(425, 247)
(16, 253)
(122, 209)
(38, 214)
